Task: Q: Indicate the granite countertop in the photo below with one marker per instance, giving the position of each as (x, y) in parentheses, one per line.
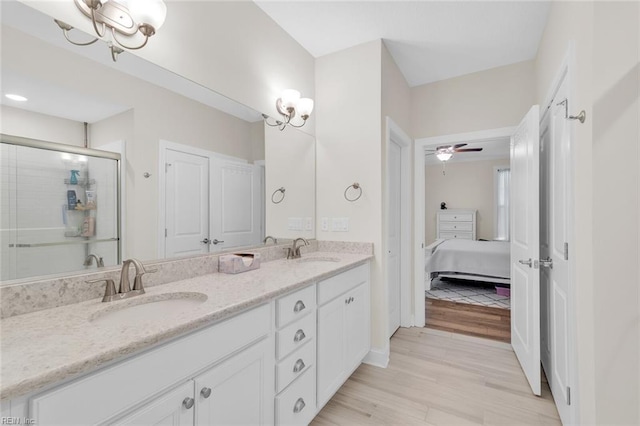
(42, 348)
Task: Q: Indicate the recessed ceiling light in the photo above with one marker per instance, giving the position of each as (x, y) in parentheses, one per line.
(16, 97)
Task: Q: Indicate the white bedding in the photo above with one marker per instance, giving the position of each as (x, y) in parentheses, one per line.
(490, 258)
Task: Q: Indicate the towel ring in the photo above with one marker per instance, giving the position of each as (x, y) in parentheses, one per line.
(273, 196)
(354, 185)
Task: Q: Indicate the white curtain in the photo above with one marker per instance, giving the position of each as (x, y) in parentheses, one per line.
(502, 207)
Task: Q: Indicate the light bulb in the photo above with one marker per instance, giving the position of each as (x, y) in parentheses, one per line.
(290, 98)
(304, 107)
(151, 12)
(444, 156)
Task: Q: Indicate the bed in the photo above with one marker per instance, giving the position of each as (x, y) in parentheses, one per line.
(487, 261)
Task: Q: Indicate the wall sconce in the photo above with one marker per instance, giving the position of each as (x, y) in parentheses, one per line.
(120, 17)
(289, 104)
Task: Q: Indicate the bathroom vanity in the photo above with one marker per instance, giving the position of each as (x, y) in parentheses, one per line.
(269, 346)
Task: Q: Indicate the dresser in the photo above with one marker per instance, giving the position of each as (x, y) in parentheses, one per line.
(456, 223)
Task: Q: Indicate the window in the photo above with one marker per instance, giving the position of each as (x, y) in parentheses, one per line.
(502, 178)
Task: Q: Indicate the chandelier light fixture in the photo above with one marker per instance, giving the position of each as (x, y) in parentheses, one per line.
(290, 104)
(120, 18)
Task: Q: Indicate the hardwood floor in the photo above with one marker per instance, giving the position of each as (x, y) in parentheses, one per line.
(472, 320)
(438, 378)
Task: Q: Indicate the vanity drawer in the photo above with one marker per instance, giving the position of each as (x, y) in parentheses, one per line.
(294, 365)
(295, 335)
(456, 226)
(297, 404)
(456, 235)
(296, 305)
(456, 217)
(341, 283)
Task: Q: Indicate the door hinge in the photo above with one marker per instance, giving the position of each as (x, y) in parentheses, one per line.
(165, 232)
(568, 395)
(566, 251)
(166, 167)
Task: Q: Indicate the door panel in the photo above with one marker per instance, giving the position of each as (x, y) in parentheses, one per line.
(187, 204)
(356, 322)
(167, 410)
(236, 206)
(331, 363)
(393, 229)
(525, 247)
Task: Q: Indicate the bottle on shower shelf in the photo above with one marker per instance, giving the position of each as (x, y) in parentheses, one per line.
(73, 180)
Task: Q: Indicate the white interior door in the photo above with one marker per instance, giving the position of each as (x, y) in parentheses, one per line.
(394, 235)
(525, 247)
(236, 204)
(555, 237)
(186, 204)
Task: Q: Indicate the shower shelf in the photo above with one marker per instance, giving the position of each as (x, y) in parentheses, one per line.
(62, 243)
(81, 182)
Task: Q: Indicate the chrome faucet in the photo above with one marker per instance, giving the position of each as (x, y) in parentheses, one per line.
(269, 237)
(125, 291)
(293, 252)
(89, 261)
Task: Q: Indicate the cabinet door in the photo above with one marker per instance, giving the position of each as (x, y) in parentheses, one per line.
(331, 348)
(357, 325)
(238, 391)
(168, 410)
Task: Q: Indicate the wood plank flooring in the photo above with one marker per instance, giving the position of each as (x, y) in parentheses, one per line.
(438, 378)
(472, 320)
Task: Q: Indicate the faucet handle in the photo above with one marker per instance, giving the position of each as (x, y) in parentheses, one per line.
(110, 289)
(137, 282)
(289, 252)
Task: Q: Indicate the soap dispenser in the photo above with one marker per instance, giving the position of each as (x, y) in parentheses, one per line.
(74, 177)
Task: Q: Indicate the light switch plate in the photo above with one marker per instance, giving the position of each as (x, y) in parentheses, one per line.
(340, 224)
(308, 224)
(324, 224)
(295, 224)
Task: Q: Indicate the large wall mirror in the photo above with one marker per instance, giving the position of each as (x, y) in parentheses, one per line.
(200, 172)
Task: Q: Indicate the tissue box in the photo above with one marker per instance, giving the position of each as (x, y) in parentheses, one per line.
(238, 262)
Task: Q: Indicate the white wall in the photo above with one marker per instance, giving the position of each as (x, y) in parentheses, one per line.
(27, 124)
(348, 150)
(294, 171)
(489, 99)
(466, 185)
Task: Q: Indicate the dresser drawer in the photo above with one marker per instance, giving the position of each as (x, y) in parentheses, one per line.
(456, 235)
(297, 404)
(295, 305)
(295, 335)
(456, 217)
(456, 226)
(294, 365)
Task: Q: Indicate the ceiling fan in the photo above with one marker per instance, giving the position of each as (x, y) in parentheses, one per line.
(445, 152)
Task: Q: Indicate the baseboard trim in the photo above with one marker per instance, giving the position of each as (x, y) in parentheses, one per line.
(377, 357)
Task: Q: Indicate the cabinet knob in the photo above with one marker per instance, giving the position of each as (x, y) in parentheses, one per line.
(205, 392)
(299, 405)
(299, 306)
(351, 299)
(299, 336)
(188, 403)
(299, 366)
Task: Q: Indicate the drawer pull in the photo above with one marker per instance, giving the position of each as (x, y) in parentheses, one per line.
(299, 366)
(188, 403)
(299, 405)
(205, 392)
(299, 306)
(299, 336)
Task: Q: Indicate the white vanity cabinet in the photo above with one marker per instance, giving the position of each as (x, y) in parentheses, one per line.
(343, 329)
(143, 387)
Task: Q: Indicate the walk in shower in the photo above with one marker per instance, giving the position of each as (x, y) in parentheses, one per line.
(59, 204)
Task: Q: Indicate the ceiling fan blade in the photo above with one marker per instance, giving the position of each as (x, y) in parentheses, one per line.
(443, 147)
(430, 153)
(468, 150)
(459, 145)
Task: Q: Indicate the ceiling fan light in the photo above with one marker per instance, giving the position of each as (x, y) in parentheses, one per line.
(444, 156)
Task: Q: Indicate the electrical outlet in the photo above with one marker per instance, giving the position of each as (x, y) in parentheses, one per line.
(324, 224)
(295, 224)
(308, 224)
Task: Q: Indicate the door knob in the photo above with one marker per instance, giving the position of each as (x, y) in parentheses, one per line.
(528, 262)
(546, 263)
(206, 241)
(216, 241)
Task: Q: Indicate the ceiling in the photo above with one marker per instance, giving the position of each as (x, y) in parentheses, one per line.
(429, 40)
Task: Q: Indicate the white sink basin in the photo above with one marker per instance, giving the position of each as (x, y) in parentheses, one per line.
(147, 308)
(318, 259)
